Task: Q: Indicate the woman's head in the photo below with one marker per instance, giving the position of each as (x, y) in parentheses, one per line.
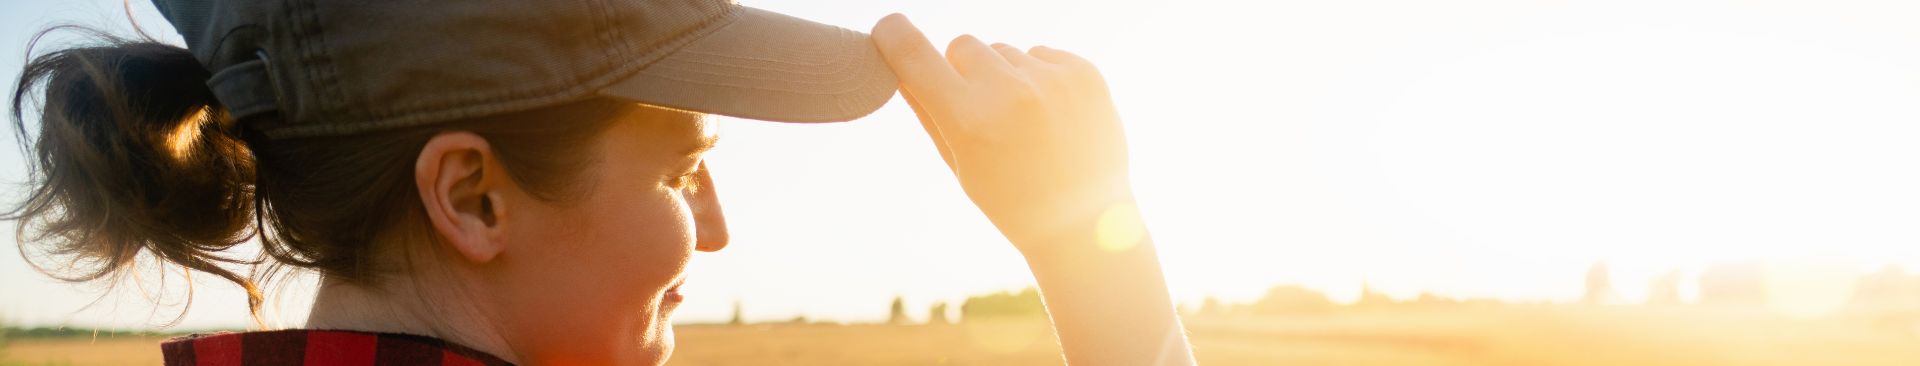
(492, 154)
(566, 225)
(568, 280)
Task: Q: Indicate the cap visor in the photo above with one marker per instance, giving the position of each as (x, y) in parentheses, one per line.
(768, 66)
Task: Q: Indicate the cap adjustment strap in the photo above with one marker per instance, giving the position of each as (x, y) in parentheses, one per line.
(245, 88)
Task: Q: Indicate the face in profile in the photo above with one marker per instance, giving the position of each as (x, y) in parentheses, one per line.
(599, 272)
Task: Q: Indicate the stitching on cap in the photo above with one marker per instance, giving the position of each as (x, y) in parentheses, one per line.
(603, 34)
(668, 46)
(465, 105)
(618, 46)
(308, 53)
(840, 70)
(767, 60)
(322, 68)
(330, 70)
(303, 52)
(841, 67)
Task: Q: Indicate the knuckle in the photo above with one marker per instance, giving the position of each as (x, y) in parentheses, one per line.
(960, 42)
(1080, 73)
(1055, 79)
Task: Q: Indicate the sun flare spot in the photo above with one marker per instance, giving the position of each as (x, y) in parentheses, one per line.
(1119, 228)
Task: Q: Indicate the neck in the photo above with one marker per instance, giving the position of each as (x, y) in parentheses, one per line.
(408, 306)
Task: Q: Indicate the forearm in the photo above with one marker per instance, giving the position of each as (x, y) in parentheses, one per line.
(1108, 301)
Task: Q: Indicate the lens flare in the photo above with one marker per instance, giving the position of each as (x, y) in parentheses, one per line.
(1119, 228)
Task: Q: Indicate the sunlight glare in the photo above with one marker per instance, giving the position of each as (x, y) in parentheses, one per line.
(1805, 288)
(1119, 228)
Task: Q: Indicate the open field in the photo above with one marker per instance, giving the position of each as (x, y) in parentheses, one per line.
(1508, 336)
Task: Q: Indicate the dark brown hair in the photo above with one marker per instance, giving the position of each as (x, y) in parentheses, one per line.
(134, 155)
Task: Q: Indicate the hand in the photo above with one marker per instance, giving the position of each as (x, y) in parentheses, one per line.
(1032, 136)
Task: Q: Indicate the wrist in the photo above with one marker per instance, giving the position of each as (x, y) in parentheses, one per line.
(1083, 227)
(1062, 217)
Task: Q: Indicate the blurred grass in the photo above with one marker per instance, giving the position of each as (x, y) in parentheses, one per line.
(82, 351)
(1518, 335)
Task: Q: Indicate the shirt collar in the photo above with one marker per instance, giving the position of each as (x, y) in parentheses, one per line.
(314, 347)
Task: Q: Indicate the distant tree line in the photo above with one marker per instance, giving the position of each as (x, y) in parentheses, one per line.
(1300, 300)
(15, 333)
(1890, 291)
(1024, 304)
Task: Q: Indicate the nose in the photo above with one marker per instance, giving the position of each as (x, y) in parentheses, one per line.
(710, 225)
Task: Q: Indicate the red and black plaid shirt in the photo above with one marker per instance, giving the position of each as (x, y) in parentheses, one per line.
(319, 347)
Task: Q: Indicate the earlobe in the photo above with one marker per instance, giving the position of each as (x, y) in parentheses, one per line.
(459, 183)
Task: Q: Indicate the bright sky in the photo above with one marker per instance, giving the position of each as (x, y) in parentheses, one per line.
(1476, 148)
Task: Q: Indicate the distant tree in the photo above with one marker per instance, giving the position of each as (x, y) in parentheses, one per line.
(1889, 288)
(1211, 306)
(1023, 304)
(1290, 299)
(739, 316)
(1371, 298)
(1599, 284)
(898, 314)
(937, 314)
(1664, 290)
(1432, 300)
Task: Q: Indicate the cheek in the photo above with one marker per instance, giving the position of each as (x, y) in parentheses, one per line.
(593, 272)
(640, 238)
(611, 252)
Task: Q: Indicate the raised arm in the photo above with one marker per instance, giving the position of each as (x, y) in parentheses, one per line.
(1036, 143)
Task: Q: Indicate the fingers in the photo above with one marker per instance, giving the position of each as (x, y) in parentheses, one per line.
(919, 66)
(1057, 56)
(933, 130)
(1081, 69)
(1014, 56)
(975, 60)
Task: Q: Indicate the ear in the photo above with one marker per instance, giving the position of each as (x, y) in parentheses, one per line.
(460, 182)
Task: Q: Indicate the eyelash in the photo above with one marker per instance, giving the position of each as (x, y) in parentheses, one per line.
(686, 182)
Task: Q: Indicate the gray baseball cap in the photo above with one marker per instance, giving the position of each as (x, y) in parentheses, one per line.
(336, 67)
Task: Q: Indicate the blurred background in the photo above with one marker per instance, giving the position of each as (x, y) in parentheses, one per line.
(1345, 183)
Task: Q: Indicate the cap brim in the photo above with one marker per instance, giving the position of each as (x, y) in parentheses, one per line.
(767, 66)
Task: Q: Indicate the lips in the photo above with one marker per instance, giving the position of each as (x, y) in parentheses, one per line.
(673, 292)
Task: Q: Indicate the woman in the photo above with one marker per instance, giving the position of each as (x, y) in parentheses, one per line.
(509, 182)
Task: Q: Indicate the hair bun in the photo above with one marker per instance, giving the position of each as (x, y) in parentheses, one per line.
(132, 153)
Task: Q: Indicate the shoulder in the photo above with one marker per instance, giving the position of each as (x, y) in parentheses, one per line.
(319, 347)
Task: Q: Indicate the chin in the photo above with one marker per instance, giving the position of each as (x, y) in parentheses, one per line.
(666, 349)
(661, 346)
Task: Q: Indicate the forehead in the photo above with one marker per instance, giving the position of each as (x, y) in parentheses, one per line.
(666, 132)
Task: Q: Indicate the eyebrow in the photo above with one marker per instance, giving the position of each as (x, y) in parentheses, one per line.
(706, 143)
